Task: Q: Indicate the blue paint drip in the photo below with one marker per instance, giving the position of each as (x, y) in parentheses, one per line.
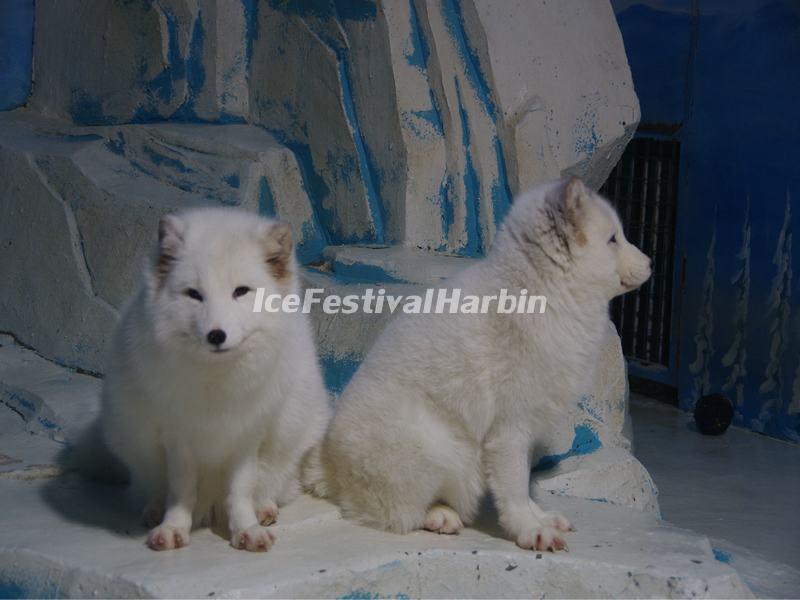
(448, 209)
(163, 83)
(361, 153)
(320, 9)
(10, 590)
(47, 423)
(318, 190)
(356, 10)
(454, 19)
(474, 243)
(314, 185)
(418, 56)
(87, 137)
(361, 273)
(585, 405)
(721, 555)
(338, 371)
(584, 442)
(586, 138)
(266, 201)
(226, 118)
(117, 146)
(23, 402)
(162, 160)
(30, 411)
(362, 594)
(250, 9)
(310, 248)
(501, 191)
(451, 11)
(431, 116)
(232, 180)
(195, 72)
(16, 50)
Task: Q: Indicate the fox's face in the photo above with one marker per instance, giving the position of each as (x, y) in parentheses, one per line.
(571, 232)
(210, 263)
(603, 254)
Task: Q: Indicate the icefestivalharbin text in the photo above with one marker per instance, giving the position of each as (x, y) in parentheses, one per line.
(372, 301)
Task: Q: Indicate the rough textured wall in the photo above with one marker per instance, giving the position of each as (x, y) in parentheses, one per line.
(737, 282)
(100, 62)
(405, 123)
(413, 122)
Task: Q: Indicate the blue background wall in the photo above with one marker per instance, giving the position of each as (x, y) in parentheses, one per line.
(16, 49)
(726, 75)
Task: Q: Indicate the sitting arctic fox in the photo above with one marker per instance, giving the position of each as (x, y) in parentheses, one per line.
(210, 405)
(446, 405)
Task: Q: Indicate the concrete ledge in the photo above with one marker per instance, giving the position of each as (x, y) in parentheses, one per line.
(63, 537)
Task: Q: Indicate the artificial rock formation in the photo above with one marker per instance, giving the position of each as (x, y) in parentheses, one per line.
(407, 123)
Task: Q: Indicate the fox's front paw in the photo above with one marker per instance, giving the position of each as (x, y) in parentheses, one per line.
(253, 539)
(168, 537)
(541, 538)
(443, 519)
(556, 520)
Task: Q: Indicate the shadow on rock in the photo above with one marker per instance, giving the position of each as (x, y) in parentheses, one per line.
(92, 489)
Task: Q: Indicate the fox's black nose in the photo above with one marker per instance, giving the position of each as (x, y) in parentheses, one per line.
(216, 337)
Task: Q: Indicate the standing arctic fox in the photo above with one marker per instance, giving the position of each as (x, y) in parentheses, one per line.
(445, 405)
(212, 406)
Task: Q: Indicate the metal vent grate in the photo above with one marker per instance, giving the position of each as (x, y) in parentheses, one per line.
(644, 188)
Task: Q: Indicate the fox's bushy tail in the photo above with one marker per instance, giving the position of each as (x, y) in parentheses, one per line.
(89, 455)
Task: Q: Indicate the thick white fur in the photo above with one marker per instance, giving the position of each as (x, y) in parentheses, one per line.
(214, 435)
(447, 405)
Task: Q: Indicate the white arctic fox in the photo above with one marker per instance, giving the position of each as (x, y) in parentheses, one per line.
(445, 405)
(211, 405)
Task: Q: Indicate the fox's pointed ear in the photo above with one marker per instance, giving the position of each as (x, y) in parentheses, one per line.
(574, 198)
(170, 240)
(277, 241)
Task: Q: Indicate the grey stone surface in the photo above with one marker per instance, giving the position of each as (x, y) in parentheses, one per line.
(406, 123)
(414, 122)
(80, 208)
(100, 62)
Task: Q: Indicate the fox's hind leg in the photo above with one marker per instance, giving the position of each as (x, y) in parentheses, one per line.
(443, 519)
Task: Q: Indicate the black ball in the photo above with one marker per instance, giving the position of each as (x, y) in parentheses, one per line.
(713, 414)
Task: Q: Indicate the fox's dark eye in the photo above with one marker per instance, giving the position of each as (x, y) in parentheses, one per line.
(240, 291)
(194, 294)
(613, 239)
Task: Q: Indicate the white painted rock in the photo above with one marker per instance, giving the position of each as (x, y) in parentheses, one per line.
(413, 122)
(64, 537)
(81, 208)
